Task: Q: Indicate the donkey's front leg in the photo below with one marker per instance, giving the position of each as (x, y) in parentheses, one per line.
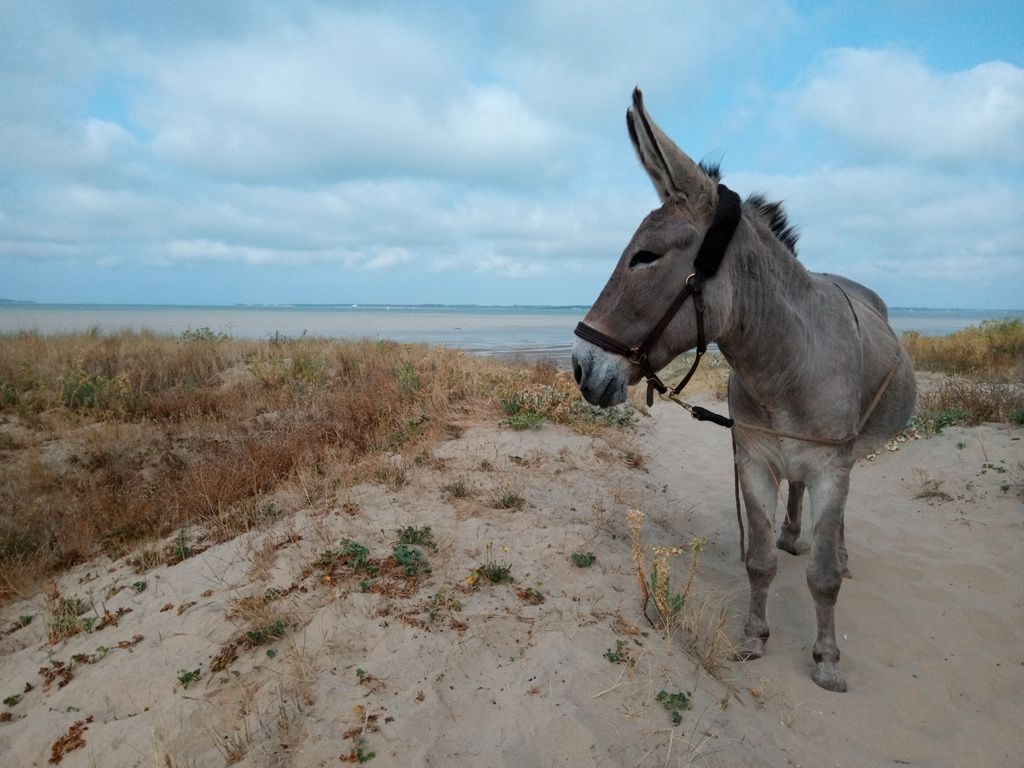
(760, 495)
(825, 572)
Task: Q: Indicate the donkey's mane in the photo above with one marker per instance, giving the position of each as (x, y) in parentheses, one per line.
(775, 215)
(772, 212)
(712, 169)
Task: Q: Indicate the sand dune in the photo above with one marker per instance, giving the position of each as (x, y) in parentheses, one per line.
(441, 671)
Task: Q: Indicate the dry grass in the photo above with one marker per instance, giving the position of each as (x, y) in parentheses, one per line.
(699, 619)
(993, 349)
(961, 400)
(712, 376)
(986, 375)
(110, 441)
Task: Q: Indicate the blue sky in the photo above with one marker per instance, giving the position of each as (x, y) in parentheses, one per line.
(402, 152)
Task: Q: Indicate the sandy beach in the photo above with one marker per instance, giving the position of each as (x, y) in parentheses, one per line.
(558, 667)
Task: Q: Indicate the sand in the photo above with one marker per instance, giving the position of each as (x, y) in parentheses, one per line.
(437, 672)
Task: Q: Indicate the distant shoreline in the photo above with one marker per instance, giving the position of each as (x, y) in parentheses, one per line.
(428, 305)
(535, 332)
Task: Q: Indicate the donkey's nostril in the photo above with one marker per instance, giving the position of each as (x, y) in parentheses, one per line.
(577, 371)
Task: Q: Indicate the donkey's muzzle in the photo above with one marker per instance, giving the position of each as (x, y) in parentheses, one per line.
(600, 376)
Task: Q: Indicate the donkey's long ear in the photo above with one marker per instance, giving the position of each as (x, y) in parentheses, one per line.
(674, 174)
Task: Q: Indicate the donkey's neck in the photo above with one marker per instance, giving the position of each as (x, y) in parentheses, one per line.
(770, 337)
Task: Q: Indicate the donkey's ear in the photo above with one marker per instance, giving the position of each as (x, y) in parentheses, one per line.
(674, 174)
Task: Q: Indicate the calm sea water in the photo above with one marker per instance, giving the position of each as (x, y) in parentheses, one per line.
(535, 332)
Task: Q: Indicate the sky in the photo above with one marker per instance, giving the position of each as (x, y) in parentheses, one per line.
(476, 153)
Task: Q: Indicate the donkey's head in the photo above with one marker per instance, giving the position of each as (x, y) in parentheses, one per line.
(653, 270)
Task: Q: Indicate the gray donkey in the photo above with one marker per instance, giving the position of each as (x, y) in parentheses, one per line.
(818, 377)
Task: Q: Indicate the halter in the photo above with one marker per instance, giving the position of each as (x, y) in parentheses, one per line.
(709, 259)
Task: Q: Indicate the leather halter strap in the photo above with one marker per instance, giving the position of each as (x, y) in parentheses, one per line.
(709, 259)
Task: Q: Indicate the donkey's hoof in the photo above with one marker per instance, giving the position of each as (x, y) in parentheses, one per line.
(791, 545)
(752, 648)
(829, 677)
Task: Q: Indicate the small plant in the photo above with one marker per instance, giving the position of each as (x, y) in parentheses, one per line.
(20, 623)
(187, 677)
(509, 499)
(525, 420)
(67, 619)
(1018, 417)
(441, 603)
(675, 703)
(423, 537)
(412, 560)
(621, 653)
(13, 700)
(583, 559)
(656, 586)
(457, 490)
(203, 334)
(350, 553)
(139, 586)
(951, 417)
(491, 570)
(358, 753)
(268, 633)
(495, 572)
(180, 550)
(669, 605)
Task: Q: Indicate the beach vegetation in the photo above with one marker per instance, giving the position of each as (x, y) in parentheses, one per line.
(509, 498)
(412, 536)
(990, 348)
(621, 654)
(982, 371)
(194, 436)
(583, 559)
(674, 703)
(491, 570)
(267, 633)
(187, 677)
(965, 401)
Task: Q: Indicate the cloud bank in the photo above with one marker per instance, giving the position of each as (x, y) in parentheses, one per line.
(401, 152)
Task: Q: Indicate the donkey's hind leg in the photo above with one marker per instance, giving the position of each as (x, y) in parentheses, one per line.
(825, 573)
(760, 495)
(790, 532)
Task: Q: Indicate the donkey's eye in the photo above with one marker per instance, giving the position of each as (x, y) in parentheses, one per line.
(643, 257)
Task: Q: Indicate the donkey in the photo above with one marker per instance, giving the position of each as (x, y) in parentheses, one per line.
(818, 378)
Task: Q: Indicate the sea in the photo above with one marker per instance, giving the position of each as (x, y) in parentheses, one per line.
(533, 332)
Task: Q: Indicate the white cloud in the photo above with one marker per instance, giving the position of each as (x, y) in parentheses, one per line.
(389, 258)
(581, 58)
(345, 94)
(909, 233)
(888, 103)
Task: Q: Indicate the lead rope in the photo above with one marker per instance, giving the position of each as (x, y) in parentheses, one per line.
(736, 491)
(703, 414)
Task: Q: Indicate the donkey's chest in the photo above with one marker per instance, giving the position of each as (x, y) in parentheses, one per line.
(788, 458)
